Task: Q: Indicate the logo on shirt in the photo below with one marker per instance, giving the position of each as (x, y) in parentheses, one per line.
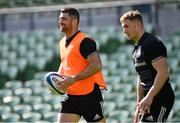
(138, 52)
(96, 117)
(140, 64)
(150, 118)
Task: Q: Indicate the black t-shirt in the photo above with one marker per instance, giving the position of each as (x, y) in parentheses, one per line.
(87, 46)
(148, 50)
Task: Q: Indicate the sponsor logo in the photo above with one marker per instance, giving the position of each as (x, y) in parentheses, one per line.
(150, 118)
(96, 117)
(140, 64)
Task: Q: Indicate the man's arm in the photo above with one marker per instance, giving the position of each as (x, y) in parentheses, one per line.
(60, 70)
(140, 96)
(93, 67)
(89, 52)
(161, 67)
(139, 90)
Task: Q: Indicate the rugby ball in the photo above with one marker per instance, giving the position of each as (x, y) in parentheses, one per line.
(52, 78)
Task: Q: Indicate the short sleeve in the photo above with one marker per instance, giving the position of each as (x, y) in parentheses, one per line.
(156, 51)
(87, 47)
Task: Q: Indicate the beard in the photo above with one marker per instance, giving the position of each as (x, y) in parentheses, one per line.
(61, 28)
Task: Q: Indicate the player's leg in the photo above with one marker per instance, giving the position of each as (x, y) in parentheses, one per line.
(158, 115)
(161, 106)
(160, 109)
(92, 111)
(68, 111)
(68, 117)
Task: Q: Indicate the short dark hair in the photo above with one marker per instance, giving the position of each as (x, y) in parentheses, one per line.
(72, 13)
(132, 15)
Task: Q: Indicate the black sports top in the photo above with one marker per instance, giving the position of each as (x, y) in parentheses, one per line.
(148, 50)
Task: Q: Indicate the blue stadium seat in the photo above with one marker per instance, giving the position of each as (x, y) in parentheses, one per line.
(4, 66)
(5, 92)
(12, 71)
(113, 79)
(22, 50)
(40, 75)
(115, 96)
(22, 108)
(131, 79)
(123, 88)
(11, 100)
(31, 117)
(131, 96)
(109, 106)
(4, 109)
(49, 42)
(13, 43)
(32, 100)
(127, 105)
(42, 91)
(10, 117)
(12, 55)
(42, 108)
(21, 64)
(22, 92)
(33, 84)
(41, 60)
(52, 100)
(13, 84)
(109, 120)
(50, 116)
(120, 115)
(173, 64)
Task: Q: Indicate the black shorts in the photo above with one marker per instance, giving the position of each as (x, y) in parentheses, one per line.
(160, 107)
(89, 106)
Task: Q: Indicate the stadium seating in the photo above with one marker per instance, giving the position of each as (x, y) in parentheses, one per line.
(10, 117)
(50, 116)
(120, 115)
(11, 100)
(33, 84)
(22, 92)
(22, 108)
(51, 99)
(13, 84)
(4, 109)
(5, 92)
(42, 108)
(109, 106)
(32, 100)
(31, 117)
(24, 86)
(42, 91)
(109, 120)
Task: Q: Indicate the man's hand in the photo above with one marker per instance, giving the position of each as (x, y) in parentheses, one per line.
(145, 104)
(136, 115)
(67, 81)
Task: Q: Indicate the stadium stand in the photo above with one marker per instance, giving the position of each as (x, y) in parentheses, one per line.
(31, 100)
(26, 56)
